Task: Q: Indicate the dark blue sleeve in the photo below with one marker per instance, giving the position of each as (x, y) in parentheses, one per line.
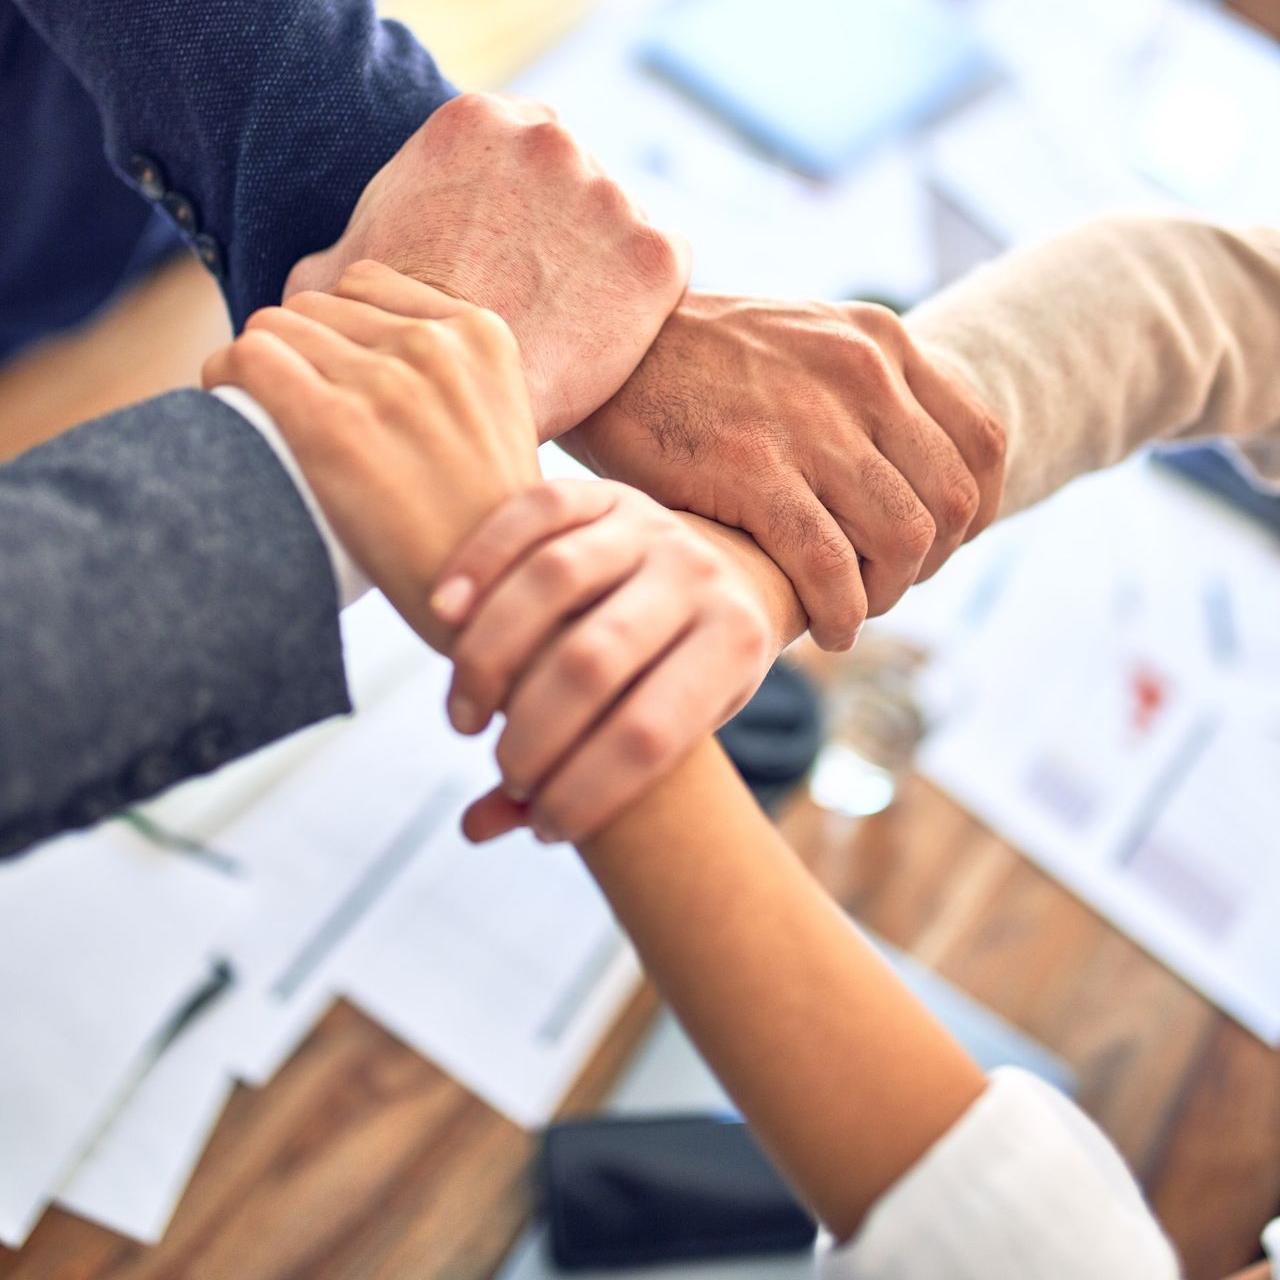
(254, 123)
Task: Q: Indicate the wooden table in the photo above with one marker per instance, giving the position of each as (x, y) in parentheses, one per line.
(361, 1160)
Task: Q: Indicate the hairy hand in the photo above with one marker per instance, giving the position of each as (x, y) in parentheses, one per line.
(493, 202)
(818, 428)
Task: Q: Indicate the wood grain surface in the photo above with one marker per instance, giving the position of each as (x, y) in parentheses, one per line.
(361, 1160)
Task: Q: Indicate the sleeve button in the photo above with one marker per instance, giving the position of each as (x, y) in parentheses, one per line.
(182, 211)
(209, 745)
(148, 175)
(210, 253)
(91, 807)
(150, 772)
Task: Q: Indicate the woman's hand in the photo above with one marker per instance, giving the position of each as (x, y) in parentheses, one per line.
(407, 412)
(614, 637)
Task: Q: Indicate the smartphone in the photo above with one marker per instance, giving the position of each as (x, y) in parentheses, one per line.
(631, 1191)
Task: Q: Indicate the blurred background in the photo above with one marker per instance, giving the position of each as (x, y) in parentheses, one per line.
(1049, 780)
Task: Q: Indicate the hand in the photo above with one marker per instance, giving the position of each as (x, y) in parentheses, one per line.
(406, 411)
(818, 428)
(492, 201)
(614, 636)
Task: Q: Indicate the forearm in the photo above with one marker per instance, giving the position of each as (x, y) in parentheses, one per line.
(1123, 332)
(841, 1072)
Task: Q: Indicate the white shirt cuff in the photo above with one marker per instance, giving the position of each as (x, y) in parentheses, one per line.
(349, 577)
(1024, 1184)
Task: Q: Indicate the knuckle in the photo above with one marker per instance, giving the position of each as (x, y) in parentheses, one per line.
(550, 142)
(556, 569)
(476, 670)
(882, 325)
(419, 343)
(263, 318)
(916, 533)
(990, 441)
(653, 252)
(746, 626)
(585, 663)
(489, 330)
(865, 356)
(608, 198)
(551, 501)
(250, 353)
(829, 555)
(465, 109)
(388, 386)
(959, 502)
(643, 741)
(358, 274)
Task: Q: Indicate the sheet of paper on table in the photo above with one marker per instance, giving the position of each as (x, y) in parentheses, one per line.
(1100, 721)
(106, 939)
(503, 964)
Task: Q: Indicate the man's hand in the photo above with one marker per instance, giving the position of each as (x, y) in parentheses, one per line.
(820, 429)
(406, 411)
(492, 201)
(614, 636)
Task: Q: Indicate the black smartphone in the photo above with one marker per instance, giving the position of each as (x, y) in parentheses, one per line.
(631, 1191)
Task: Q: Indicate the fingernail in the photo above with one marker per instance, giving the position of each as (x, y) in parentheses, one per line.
(546, 832)
(464, 714)
(452, 598)
(515, 792)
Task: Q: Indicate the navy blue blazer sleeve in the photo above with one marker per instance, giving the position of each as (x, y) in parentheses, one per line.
(254, 123)
(166, 605)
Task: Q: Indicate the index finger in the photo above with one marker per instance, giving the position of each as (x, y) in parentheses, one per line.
(510, 533)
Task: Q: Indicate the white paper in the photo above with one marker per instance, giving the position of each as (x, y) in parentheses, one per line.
(133, 1177)
(503, 964)
(1102, 725)
(105, 937)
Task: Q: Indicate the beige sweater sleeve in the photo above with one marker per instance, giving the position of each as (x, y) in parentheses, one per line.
(1123, 332)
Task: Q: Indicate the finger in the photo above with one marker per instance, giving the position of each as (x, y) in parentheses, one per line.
(542, 594)
(510, 533)
(390, 290)
(654, 727)
(881, 515)
(930, 463)
(976, 434)
(363, 323)
(491, 816)
(277, 376)
(807, 544)
(585, 671)
(335, 356)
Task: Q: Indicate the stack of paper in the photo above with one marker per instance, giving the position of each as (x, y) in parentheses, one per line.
(143, 974)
